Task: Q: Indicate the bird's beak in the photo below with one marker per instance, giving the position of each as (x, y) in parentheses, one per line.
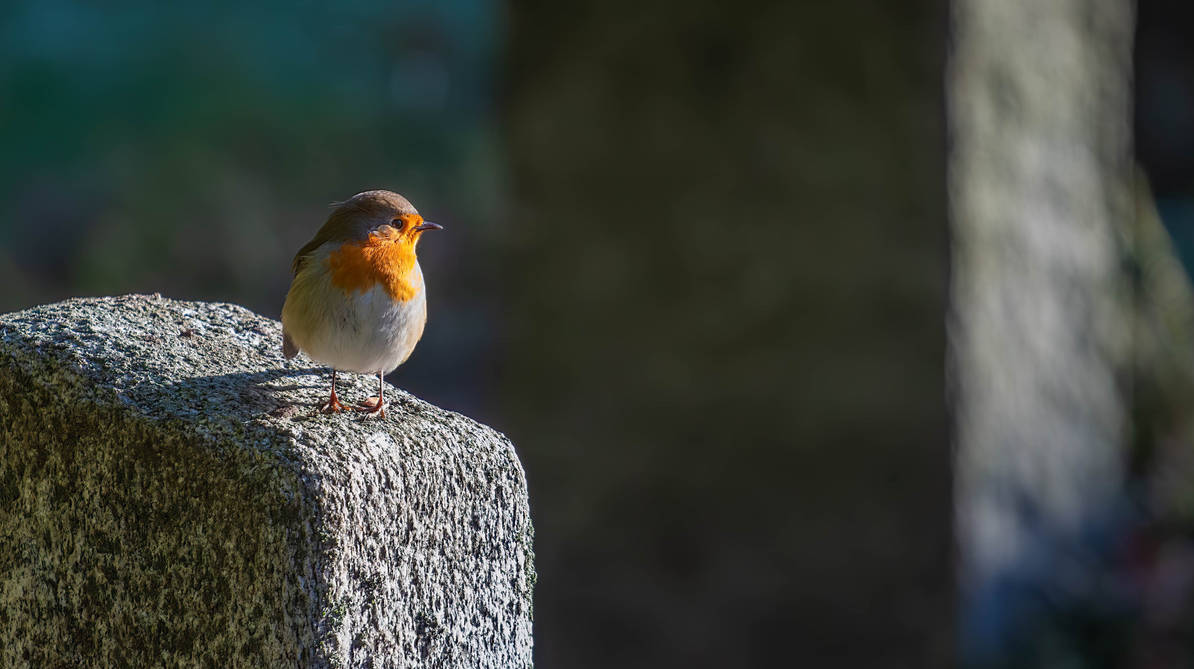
(428, 225)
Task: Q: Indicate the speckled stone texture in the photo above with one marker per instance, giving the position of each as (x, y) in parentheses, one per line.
(169, 497)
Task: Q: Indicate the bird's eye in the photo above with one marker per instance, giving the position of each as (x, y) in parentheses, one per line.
(398, 223)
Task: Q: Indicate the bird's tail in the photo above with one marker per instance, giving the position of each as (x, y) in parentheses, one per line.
(289, 350)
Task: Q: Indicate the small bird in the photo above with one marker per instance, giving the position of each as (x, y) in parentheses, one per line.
(357, 302)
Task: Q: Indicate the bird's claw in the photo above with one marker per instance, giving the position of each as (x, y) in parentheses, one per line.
(332, 406)
(372, 407)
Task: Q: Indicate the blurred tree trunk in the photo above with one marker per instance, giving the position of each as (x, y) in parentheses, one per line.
(1040, 331)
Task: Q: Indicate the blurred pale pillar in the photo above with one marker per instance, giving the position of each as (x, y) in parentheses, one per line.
(1039, 329)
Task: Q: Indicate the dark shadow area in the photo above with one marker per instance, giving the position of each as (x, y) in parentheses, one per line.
(248, 396)
(1164, 119)
(724, 353)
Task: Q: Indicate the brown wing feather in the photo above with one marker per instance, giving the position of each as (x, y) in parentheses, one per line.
(335, 228)
(306, 251)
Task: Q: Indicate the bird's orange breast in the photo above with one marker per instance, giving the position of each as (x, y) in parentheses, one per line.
(387, 259)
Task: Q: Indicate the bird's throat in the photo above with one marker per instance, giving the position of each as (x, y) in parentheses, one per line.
(385, 259)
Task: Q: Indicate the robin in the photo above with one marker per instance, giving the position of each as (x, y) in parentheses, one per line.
(357, 302)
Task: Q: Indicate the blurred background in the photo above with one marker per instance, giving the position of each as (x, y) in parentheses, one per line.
(694, 266)
(1164, 122)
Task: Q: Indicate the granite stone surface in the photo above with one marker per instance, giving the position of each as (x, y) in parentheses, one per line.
(169, 496)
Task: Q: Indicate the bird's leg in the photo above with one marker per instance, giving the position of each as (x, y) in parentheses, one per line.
(374, 407)
(333, 404)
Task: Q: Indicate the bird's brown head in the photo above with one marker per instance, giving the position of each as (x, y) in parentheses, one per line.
(379, 212)
(374, 218)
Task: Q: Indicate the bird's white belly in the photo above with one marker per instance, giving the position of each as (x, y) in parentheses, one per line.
(365, 332)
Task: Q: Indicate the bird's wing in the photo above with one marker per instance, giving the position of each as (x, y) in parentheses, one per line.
(309, 248)
(336, 228)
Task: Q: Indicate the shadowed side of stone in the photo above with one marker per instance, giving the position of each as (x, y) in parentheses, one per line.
(169, 495)
(120, 540)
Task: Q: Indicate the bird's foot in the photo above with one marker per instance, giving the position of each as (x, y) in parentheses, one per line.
(333, 405)
(372, 407)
